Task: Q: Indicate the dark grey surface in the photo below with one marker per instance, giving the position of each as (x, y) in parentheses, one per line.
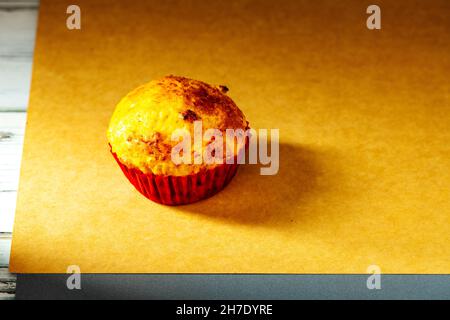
(229, 286)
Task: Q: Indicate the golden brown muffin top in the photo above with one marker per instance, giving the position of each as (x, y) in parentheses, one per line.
(141, 127)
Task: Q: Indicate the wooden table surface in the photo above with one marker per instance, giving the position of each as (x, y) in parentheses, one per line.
(17, 32)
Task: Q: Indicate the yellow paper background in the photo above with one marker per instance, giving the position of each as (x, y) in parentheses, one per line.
(364, 125)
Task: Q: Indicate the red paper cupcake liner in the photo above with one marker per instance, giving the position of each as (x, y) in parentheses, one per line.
(178, 190)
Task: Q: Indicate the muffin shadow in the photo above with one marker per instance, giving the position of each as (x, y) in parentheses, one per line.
(252, 198)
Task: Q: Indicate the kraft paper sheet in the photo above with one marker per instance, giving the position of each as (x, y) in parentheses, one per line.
(364, 127)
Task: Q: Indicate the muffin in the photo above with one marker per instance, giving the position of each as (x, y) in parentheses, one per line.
(141, 139)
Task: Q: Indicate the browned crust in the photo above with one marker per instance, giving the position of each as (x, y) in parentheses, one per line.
(201, 98)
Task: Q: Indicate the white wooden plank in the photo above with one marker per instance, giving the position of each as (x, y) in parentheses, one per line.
(19, 3)
(7, 211)
(12, 126)
(17, 34)
(15, 79)
(7, 296)
(6, 276)
(17, 31)
(7, 284)
(5, 249)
